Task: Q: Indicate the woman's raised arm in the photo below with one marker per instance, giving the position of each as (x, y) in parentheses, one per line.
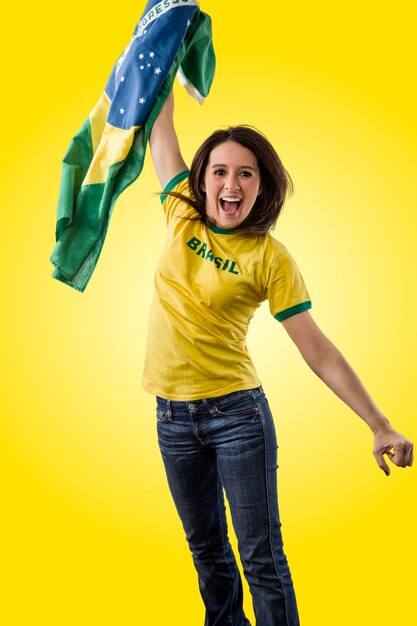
(331, 366)
(164, 146)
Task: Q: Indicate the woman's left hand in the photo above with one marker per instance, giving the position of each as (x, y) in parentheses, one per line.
(397, 447)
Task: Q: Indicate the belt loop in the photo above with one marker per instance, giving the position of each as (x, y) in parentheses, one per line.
(256, 392)
(169, 411)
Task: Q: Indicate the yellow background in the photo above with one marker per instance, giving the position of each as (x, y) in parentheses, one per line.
(90, 535)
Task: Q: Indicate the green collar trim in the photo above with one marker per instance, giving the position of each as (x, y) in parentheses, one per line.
(222, 231)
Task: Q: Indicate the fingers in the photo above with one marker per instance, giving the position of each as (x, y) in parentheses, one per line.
(403, 453)
(398, 448)
(409, 457)
(382, 463)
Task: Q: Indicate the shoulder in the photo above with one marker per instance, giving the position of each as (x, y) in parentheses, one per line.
(178, 184)
(279, 262)
(178, 201)
(275, 251)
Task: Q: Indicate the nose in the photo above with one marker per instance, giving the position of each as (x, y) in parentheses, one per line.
(232, 183)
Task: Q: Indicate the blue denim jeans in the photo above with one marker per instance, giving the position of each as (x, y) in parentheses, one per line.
(229, 442)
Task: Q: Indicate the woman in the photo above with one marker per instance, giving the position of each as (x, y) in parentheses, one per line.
(215, 428)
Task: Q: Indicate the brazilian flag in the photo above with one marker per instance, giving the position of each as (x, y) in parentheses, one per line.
(172, 37)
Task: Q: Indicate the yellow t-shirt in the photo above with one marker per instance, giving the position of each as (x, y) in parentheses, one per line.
(208, 284)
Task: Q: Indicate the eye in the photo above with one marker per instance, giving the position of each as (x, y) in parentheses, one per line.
(246, 174)
(219, 172)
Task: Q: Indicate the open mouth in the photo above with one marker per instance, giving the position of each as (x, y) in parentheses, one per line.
(230, 205)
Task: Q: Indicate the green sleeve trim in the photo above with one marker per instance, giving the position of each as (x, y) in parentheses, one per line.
(174, 182)
(298, 308)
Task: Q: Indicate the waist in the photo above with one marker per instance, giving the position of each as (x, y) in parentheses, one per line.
(167, 404)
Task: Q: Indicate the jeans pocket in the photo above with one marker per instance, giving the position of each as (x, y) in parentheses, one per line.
(236, 404)
(161, 415)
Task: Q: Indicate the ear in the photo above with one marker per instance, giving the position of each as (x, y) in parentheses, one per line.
(203, 187)
(260, 191)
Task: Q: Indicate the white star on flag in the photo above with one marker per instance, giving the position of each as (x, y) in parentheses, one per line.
(149, 65)
(189, 22)
(122, 79)
(157, 70)
(122, 111)
(141, 100)
(152, 54)
(141, 55)
(142, 67)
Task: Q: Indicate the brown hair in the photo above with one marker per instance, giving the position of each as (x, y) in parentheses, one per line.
(275, 180)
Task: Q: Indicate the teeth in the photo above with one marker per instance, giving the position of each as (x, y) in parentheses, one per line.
(231, 199)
